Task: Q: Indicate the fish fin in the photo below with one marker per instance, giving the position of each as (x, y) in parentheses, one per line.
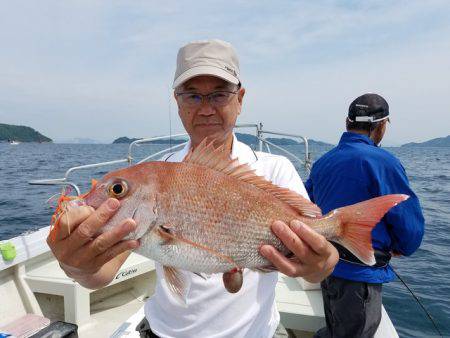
(171, 237)
(176, 282)
(165, 233)
(201, 275)
(359, 219)
(302, 205)
(232, 280)
(267, 269)
(217, 159)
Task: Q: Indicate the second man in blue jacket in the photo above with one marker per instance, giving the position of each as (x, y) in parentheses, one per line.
(354, 171)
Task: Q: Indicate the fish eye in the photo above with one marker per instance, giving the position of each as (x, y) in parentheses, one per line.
(118, 189)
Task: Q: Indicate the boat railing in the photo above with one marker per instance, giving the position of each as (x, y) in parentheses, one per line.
(260, 136)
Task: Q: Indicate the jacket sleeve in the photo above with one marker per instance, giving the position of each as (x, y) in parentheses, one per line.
(405, 221)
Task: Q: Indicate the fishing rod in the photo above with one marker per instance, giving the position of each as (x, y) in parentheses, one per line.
(420, 303)
(170, 117)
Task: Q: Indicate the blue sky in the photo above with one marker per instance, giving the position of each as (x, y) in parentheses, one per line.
(103, 69)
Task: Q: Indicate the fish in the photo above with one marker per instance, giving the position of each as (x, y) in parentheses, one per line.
(211, 214)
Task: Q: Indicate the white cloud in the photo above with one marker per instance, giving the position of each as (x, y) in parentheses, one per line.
(101, 70)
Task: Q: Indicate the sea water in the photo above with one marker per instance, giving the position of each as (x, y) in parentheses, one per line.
(24, 208)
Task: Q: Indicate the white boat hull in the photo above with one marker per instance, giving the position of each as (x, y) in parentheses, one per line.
(34, 283)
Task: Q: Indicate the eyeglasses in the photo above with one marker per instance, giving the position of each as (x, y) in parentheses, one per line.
(217, 99)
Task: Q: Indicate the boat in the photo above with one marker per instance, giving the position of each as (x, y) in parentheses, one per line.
(37, 295)
(13, 143)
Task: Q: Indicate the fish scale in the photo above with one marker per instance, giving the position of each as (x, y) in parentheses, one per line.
(214, 218)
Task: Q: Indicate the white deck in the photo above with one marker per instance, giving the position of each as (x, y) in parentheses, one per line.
(34, 283)
(299, 309)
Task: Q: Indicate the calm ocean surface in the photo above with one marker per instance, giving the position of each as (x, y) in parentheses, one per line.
(24, 208)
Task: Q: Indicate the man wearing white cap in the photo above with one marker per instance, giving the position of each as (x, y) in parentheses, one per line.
(209, 95)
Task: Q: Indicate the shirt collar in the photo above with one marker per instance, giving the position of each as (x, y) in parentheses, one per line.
(239, 150)
(242, 152)
(349, 137)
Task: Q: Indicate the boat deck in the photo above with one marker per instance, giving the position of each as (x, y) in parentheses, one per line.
(34, 283)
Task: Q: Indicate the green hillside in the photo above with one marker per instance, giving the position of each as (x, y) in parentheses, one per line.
(281, 141)
(436, 142)
(125, 139)
(9, 132)
(243, 137)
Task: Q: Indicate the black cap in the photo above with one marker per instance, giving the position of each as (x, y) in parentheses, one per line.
(368, 108)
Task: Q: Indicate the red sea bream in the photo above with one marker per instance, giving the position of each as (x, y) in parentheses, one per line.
(210, 214)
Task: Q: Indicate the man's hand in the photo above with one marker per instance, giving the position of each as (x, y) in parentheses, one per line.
(90, 259)
(315, 257)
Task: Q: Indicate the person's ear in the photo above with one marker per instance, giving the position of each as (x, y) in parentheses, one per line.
(240, 98)
(241, 94)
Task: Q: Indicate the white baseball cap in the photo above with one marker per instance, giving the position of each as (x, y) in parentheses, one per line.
(207, 57)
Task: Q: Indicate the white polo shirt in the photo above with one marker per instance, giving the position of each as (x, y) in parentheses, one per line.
(210, 310)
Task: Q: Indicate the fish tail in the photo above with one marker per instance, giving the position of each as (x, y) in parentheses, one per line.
(359, 219)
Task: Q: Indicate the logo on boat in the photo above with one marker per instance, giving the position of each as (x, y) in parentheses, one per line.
(126, 273)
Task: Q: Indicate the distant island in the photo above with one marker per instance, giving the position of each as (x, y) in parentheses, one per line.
(245, 138)
(279, 141)
(436, 142)
(9, 133)
(78, 140)
(128, 140)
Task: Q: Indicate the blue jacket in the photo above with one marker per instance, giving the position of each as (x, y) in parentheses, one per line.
(357, 170)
